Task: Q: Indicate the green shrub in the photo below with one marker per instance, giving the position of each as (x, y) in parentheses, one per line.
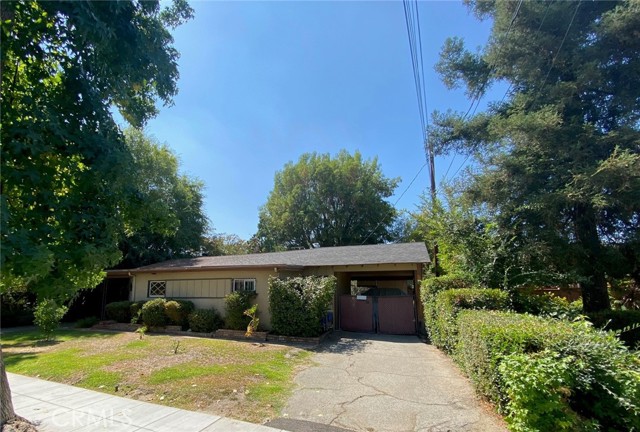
(485, 338)
(443, 327)
(235, 305)
(87, 322)
(537, 387)
(429, 289)
(135, 311)
(118, 311)
(205, 320)
(431, 286)
(546, 304)
(47, 316)
(153, 314)
(298, 305)
(625, 322)
(602, 384)
(178, 311)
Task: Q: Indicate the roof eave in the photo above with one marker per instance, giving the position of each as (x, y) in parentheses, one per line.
(286, 267)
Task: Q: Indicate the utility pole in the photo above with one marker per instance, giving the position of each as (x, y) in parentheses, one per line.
(432, 177)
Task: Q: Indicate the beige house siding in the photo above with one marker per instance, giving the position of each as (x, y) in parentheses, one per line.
(207, 289)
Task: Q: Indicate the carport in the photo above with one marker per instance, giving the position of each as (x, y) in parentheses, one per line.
(380, 301)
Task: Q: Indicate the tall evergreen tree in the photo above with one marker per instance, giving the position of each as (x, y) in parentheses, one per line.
(559, 155)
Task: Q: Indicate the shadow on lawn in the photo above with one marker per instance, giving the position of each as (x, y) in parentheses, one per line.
(15, 358)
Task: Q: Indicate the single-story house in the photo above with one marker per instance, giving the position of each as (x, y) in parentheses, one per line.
(377, 290)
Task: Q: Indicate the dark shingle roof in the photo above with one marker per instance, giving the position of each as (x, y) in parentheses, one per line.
(396, 253)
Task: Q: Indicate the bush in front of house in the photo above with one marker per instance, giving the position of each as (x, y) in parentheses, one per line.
(205, 320)
(235, 305)
(178, 311)
(297, 305)
(118, 311)
(47, 316)
(153, 313)
(443, 326)
(624, 322)
(135, 311)
(548, 374)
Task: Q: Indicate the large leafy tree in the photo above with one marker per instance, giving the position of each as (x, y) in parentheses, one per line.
(64, 67)
(559, 156)
(173, 223)
(327, 201)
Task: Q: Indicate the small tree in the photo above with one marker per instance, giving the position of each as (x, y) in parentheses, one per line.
(47, 317)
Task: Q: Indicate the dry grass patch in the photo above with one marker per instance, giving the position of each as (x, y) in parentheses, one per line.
(242, 380)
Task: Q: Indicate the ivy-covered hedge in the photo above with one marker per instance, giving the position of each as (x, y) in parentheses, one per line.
(548, 374)
(443, 326)
(625, 322)
(297, 305)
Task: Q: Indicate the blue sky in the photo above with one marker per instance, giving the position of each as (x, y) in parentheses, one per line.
(263, 82)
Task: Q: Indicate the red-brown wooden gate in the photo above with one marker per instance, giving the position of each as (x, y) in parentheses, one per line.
(356, 315)
(396, 315)
(384, 314)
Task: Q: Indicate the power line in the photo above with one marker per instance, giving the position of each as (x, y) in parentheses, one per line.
(396, 202)
(544, 17)
(561, 45)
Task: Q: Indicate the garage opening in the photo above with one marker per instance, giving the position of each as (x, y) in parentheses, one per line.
(379, 303)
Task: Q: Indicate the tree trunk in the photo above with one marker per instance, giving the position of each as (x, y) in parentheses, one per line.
(595, 296)
(6, 405)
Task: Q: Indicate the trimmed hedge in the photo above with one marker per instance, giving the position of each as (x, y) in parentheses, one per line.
(429, 289)
(153, 313)
(548, 374)
(443, 326)
(205, 320)
(177, 311)
(119, 311)
(298, 304)
(546, 304)
(235, 305)
(624, 322)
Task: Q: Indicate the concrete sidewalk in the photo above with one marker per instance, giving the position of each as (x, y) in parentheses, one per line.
(58, 407)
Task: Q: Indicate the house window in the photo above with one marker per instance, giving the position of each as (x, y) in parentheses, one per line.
(157, 289)
(244, 285)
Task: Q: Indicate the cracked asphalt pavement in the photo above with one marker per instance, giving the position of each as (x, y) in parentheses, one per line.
(387, 383)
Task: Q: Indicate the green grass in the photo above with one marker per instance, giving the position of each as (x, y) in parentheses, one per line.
(236, 379)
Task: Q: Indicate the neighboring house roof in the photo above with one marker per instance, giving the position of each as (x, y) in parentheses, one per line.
(396, 253)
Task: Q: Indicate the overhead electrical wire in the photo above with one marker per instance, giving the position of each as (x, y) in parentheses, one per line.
(478, 96)
(414, 34)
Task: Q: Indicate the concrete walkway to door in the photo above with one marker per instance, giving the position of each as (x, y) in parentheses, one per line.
(387, 383)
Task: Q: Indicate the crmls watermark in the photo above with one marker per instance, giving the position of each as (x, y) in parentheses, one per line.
(106, 418)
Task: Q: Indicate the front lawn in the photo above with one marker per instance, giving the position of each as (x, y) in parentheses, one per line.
(242, 380)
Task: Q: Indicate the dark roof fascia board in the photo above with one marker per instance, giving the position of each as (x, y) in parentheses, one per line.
(119, 273)
(214, 268)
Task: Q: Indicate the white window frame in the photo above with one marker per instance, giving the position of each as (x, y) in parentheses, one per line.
(156, 282)
(245, 282)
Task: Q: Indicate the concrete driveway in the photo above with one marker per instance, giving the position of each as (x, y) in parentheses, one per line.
(386, 383)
